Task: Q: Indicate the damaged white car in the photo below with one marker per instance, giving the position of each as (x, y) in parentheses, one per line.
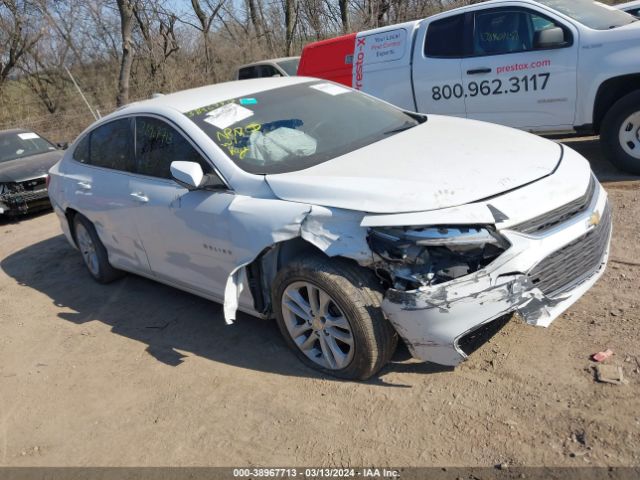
(348, 220)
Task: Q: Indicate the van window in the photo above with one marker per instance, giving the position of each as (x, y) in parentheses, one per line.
(509, 30)
(111, 146)
(445, 38)
(247, 72)
(158, 144)
(634, 11)
(268, 71)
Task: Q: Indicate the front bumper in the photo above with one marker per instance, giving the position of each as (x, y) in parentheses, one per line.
(539, 277)
(18, 203)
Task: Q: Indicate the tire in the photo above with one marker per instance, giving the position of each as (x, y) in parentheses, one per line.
(93, 252)
(620, 133)
(346, 293)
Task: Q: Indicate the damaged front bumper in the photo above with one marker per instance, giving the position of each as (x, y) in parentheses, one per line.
(539, 277)
(24, 201)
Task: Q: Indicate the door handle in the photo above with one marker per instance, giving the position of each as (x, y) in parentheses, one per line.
(478, 71)
(140, 196)
(84, 185)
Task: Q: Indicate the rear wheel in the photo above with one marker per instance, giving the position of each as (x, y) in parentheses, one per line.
(620, 133)
(93, 252)
(329, 314)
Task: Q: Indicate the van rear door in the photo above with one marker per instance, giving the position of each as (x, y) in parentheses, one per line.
(437, 65)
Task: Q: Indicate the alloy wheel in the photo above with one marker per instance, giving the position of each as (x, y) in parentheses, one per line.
(317, 325)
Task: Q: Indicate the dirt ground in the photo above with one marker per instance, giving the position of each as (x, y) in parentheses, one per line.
(136, 373)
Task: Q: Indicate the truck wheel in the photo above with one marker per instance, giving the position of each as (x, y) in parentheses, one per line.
(328, 311)
(93, 252)
(620, 133)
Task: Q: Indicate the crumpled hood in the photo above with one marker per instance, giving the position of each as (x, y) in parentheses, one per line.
(444, 162)
(28, 167)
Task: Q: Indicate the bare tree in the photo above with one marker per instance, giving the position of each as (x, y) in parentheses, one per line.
(126, 9)
(16, 37)
(159, 42)
(344, 15)
(205, 20)
(290, 19)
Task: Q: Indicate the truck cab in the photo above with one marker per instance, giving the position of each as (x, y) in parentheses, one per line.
(546, 66)
(275, 67)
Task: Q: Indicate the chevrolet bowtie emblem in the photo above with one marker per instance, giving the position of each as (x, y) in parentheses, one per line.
(594, 219)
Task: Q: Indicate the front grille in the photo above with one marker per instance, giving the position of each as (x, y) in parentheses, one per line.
(550, 219)
(33, 184)
(575, 263)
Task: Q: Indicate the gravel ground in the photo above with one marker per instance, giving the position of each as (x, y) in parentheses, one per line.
(136, 373)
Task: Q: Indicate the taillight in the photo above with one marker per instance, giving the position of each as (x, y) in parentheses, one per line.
(47, 181)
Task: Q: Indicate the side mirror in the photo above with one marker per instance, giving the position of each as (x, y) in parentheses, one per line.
(187, 174)
(549, 38)
(62, 145)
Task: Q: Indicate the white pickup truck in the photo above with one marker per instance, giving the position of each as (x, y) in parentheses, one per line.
(546, 66)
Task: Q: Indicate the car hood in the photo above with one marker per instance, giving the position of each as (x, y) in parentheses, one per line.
(444, 162)
(28, 167)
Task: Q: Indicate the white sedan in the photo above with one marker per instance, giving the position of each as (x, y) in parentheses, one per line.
(350, 221)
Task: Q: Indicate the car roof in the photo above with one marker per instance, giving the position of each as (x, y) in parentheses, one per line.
(187, 100)
(13, 131)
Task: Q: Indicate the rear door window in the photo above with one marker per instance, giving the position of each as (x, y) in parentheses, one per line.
(111, 146)
(158, 144)
(445, 38)
(268, 71)
(634, 11)
(247, 72)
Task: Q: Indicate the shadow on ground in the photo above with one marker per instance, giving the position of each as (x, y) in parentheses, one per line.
(167, 320)
(17, 219)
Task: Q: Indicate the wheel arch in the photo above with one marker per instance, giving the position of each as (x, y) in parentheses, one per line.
(70, 214)
(262, 271)
(609, 92)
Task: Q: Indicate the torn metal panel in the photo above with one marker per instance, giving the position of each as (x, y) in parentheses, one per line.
(333, 231)
(337, 232)
(255, 224)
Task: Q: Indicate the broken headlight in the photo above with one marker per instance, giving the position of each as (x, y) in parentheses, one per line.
(413, 257)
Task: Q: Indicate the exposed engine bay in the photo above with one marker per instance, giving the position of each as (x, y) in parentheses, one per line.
(413, 257)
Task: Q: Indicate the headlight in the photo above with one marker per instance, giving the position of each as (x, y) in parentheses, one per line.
(411, 257)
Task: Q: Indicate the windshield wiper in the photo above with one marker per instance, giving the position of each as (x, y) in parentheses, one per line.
(404, 127)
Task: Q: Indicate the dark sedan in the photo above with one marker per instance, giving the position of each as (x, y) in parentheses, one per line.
(25, 159)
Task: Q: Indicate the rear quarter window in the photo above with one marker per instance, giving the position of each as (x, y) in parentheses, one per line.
(111, 146)
(81, 152)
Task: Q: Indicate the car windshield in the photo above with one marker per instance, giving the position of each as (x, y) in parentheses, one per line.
(296, 127)
(290, 66)
(15, 145)
(592, 14)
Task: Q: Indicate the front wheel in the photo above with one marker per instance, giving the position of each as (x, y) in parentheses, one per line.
(328, 311)
(620, 133)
